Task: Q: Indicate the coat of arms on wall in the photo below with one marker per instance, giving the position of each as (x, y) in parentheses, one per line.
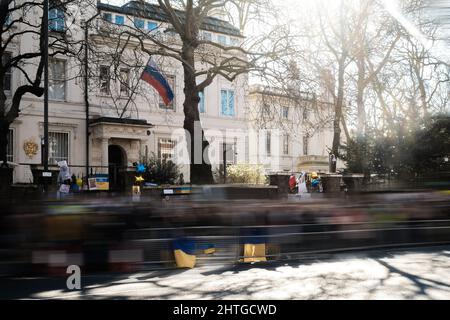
(31, 148)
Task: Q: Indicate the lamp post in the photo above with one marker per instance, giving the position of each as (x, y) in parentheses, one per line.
(45, 58)
(332, 163)
(224, 146)
(86, 89)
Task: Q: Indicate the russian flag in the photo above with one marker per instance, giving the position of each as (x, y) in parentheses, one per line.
(153, 77)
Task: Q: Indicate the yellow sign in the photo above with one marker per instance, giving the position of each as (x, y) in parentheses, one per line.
(99, 182)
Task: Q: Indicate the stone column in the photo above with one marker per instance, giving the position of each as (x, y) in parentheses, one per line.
(105, 160)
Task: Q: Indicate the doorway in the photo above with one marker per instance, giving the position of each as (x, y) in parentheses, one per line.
(117, 168)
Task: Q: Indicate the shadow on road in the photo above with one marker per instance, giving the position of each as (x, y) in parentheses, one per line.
(241, 282)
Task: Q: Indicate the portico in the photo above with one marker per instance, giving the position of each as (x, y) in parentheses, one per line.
(116, 144)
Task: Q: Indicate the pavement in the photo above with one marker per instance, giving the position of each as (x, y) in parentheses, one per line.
(414, 274)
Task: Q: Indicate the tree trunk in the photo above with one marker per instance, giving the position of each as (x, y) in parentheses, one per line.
(201, 171)
(338, 114)
(360, 98)
(4, 128)
(4, 131)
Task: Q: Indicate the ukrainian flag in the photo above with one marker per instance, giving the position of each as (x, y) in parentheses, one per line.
(185, 252)
(207, 248)
(255, 246)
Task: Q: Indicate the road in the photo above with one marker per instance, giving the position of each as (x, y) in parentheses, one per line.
(415, 274)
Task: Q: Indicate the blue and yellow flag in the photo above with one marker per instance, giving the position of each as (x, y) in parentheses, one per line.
(255, 246)
(185, 252)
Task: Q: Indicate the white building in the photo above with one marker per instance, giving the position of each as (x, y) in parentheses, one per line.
(149, 125)
(290, 134)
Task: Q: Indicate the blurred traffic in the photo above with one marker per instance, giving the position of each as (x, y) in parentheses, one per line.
(125, 235)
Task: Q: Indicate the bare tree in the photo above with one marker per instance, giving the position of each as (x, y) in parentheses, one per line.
(202, 60)
(18, 19)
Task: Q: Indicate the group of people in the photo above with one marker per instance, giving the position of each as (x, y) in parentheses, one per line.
(67, 183)
(305, 183)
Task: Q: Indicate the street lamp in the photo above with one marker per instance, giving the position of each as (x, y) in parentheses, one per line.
(45, 58)
(333, 161)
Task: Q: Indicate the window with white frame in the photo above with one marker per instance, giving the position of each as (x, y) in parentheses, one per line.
(230, 153)
(221, 39)
(56, 21)
(57, 79)
(166, 149)
(227, 103)
(234, 42)
(201, 104)
(104, 80)
(10, 146)
(268, 143)
(139, 23)
(207, 36)
(107, 17)
(286, 144)
(7, 78)
(266, 112)
(305, 114)
(285, 112)
(58, 147)
(305, 145)
(124, 81)
(152, 25)
(8, 20)
(171, 106)
(119, 20)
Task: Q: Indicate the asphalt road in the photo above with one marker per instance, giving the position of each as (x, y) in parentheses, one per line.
(414, 274)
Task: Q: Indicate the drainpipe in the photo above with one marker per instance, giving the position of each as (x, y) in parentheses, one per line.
(86, 86)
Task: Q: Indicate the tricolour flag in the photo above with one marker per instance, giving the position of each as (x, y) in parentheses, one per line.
(153, 77)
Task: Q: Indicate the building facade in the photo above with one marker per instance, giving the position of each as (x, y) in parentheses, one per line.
(127, 120)
(290, 133)
(103, 119)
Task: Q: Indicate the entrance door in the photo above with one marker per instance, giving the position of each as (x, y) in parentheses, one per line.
(117, 168)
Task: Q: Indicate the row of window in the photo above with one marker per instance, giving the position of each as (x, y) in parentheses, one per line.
(56, 21)
(57, 87)
(284, 112)
(286, 142)
(56, 78)
(227, 105)
(58, 146)
(138, 22)
(151, 26)
(221, 39)
(166, 150)
(166, 147)
(58, 143)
